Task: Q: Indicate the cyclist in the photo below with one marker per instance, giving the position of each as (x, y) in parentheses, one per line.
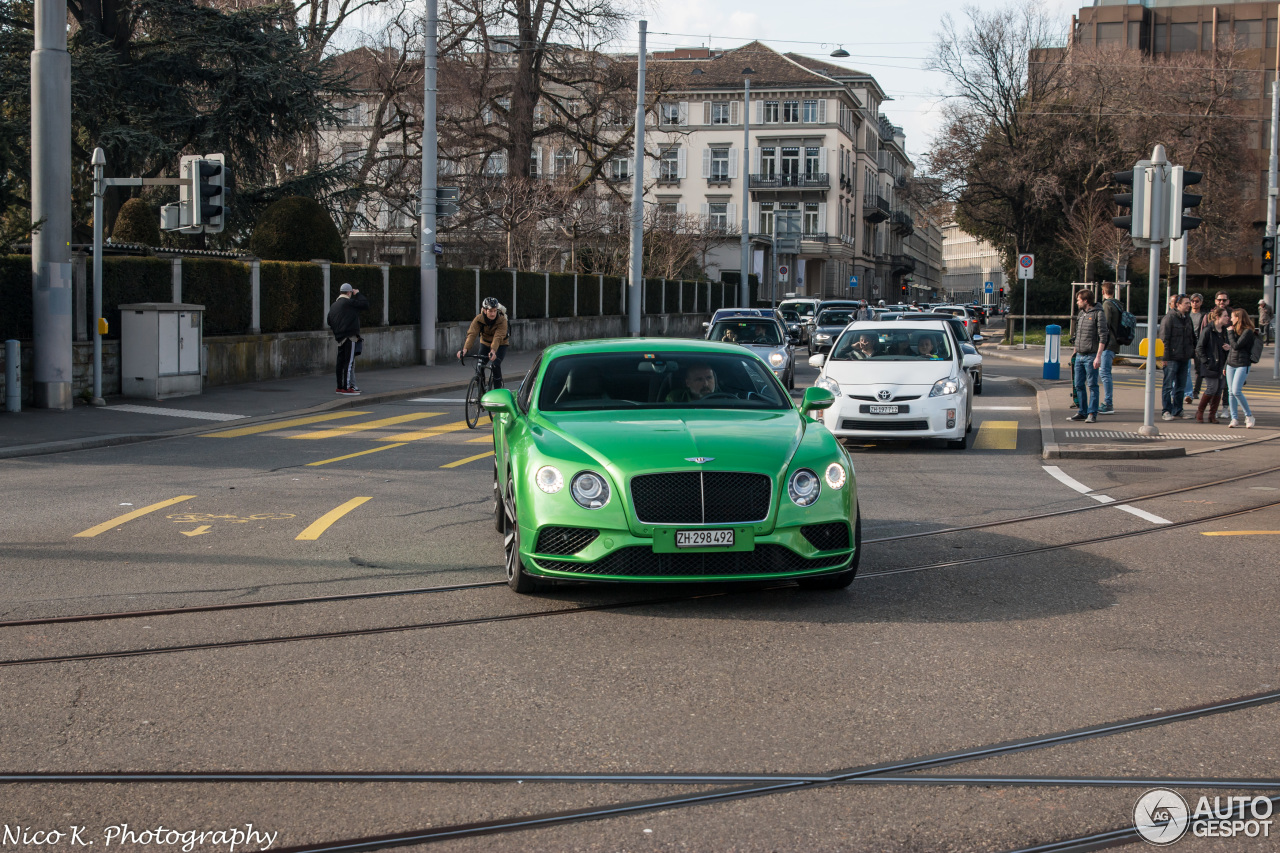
(490, 326)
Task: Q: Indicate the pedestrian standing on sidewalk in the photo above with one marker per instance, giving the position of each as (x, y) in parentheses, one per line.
(1265, 317)
(1091, 338)
(1179, 346)
(1197, 323)
(1240, 337)
(1223, 301)
(1211, 356)
(344, 321)
(1112, 311)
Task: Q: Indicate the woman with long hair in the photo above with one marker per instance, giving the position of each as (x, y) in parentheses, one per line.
(1240, 336)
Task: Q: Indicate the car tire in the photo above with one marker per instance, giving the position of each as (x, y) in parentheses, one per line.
(791, 379)
(977, 387)
(840, 580)
(959, 443)
(499, 511)
(517, 578)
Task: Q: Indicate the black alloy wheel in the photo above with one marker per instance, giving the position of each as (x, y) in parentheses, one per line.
(499, 511)
(517, 579)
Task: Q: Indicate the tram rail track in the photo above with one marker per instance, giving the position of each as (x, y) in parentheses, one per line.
(671, 599)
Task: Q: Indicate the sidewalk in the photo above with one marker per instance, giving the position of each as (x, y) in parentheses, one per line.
(1118, 436)
(34, 432)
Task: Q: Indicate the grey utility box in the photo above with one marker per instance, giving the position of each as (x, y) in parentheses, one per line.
(160, 349)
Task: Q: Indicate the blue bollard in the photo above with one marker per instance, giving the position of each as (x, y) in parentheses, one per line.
(1052, 345)
(12, 376)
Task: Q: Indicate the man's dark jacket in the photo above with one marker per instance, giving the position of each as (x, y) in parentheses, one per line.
(344, 316)
(1179, 336)
(1092, 334)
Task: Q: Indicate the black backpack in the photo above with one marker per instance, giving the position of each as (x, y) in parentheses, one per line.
(1128, 329)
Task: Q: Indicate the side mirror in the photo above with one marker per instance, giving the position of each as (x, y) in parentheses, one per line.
(817, 361)
(969, 361)
(816, 399)
(706, 325)
(500, 401)
(977, 338)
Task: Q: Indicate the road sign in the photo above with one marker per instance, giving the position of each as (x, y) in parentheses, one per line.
(783, 272)
(989, 287)
(853, 281)
(1026, 266)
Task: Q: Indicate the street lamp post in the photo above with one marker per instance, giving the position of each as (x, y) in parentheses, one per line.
(744, 282)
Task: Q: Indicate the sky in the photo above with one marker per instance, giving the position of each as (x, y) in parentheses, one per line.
(889, 39)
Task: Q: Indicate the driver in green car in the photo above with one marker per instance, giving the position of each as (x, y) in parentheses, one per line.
(699, 381)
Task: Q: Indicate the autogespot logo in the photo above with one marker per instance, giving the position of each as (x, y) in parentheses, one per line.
(1161, 816)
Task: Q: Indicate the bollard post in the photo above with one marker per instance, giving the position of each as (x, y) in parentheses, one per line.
(12, 376)
(1052, 346)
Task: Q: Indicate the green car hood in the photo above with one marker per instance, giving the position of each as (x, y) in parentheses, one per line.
(631, 443)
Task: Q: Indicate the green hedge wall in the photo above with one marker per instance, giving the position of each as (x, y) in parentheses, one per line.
(129, 280)
(689, 289)
(651, 303)
(292, 297)
(562, 294)
(15, 296)
(366, 278)
(406, 296)
(456, 295)
(612, 296)
(532, 301)
(588, 296)
(496, 283)
(224, 289)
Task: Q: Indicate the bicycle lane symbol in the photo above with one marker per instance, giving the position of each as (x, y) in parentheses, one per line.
(197, 517)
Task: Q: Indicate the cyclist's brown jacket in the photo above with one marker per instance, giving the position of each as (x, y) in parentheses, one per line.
(492, 333)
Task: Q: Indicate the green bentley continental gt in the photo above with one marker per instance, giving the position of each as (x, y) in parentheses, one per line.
(668, 460)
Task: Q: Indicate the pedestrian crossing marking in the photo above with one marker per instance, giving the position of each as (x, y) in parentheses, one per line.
(279, 425)
(175, 413)
(325, 521)
(468, 459)
(1177, 436)
(338, 432)
(997, 435)
(353, 455)
(481, 440)
(417, 435)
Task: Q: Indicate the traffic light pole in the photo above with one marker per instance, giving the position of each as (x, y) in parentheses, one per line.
(1269, 282)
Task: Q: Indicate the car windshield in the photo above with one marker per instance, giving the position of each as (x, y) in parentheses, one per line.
(743, 331)
(842, 317)
(791, 316)
(803, 308)
(892, 345)
(659, 380)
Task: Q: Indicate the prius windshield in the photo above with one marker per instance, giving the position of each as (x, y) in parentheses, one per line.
(892, 345)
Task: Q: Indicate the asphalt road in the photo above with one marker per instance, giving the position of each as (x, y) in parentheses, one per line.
(980, 649)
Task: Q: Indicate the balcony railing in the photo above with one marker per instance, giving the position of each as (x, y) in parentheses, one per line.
(803, 181)
(874, 208)
(902, 263)
(903, 223)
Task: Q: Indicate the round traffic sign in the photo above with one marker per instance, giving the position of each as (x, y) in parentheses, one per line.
(782, 269)
(1026, 260)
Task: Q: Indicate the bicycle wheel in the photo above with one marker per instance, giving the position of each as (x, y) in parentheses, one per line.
(474, 391)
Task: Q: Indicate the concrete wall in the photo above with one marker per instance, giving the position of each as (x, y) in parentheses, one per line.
(81, 365)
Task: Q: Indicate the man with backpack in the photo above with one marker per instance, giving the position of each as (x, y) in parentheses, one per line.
(1114, 315)
(1179, 346)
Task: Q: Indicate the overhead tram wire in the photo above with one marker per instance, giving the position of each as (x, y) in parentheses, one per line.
(355, 596)
(483, 620)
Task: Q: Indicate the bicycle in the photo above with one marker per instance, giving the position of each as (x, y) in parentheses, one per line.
(480, 384)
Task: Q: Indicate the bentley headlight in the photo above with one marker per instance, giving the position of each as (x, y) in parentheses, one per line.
(590, 490)
(804, 487)
(549, 479)
(835, 475)
(828, 383)
(777, 359)
(945, 387)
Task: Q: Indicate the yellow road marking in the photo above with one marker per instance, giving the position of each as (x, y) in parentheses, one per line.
(354, 455)
(997, 435)
(204, 528)
(1243, 533)
(276, 425)
(338, 432)
(427, 433)
(130, 516)
(323, 522)
(481, 440)
(468, 459)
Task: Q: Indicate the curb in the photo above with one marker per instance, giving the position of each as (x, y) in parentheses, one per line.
(70, 445)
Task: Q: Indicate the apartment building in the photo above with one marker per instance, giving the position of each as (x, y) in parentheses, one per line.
(970, 263)
(1167, 27)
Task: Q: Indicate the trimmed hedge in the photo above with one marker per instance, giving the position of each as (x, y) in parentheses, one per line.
(296, 229)
(456, 296)
(588, 295)
(224, 289)
(129, 280)
(292, 297)
(531, 302)
(497, 283)
(562, 294)
(612, 296)
(406, 296)
(689, 295)
(15, 296)
(652, 300)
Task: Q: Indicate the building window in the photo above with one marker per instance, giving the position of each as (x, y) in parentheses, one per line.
(811, 217)
(770, 112)
(1135, 34)
(669, 165)
(1111, 35)
(719, 164)
(619, 169)
(766, 217)
(810, 113)
(564, 162)
(811, 162)
(720, 112)
(1184, 37)
(496, 163)
(790, 112)
(769, 162)
(668, 214)
(535, 163)
(1249, 34)
(1162, 38)
(671, 113)
(718, 215)
(790, 161)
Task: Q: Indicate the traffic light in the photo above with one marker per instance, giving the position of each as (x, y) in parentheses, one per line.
(1148, 218)
(1178, 200)
(209, 193)
(1002, 292)
(1268, 255)
(1131, 200)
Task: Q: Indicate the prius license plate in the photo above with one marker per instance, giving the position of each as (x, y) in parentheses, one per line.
(884, 410)
(704, 538)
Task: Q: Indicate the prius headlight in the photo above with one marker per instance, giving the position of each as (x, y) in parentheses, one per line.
(549, 479)
(777, 359)
(945, 387)
(590, 490)
(835, 475)
(828, 383)
(804, 487)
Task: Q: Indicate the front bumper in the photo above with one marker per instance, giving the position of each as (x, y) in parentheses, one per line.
(926, 417)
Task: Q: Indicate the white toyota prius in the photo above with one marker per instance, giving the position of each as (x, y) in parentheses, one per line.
(898, 380)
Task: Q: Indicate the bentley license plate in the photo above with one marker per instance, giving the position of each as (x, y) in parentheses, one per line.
(704, 538)
(884, 410)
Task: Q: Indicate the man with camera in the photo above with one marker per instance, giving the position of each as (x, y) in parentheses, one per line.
(344, 320)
